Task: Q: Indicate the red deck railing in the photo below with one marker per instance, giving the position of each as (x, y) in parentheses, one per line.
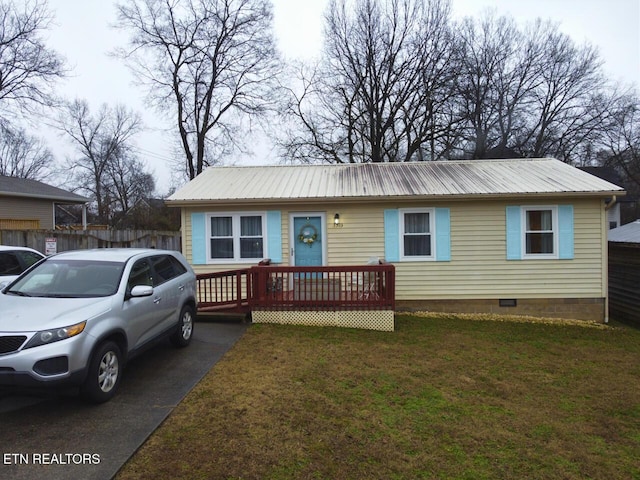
(266, 287)
(224, 291)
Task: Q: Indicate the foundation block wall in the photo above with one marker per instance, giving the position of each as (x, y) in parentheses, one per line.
(590, 309)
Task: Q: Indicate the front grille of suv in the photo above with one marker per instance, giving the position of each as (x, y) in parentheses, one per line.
(11, 343)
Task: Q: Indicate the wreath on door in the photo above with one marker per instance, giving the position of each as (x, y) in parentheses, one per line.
(308, 234)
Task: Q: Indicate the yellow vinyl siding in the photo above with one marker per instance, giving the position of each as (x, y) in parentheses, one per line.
(360, 237)
(478, 268)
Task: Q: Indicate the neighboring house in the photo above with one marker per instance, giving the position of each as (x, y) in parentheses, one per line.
(31, 205)
(624, 272)
(615, 216)
(524, 236)
(629, 233)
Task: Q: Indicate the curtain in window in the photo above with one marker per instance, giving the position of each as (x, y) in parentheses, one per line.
(221, 227)
(251, 226)
(417, 240)
(539, 237)
(251, 242)
(416, 223)
(539, 220)
(221, 237)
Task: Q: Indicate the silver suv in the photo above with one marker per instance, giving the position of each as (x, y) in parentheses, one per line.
(14, 261)
(77, 317)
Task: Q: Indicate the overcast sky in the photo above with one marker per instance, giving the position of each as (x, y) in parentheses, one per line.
(84, 36)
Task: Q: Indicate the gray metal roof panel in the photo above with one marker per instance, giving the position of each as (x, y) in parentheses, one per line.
(383, 180)
(629, 233)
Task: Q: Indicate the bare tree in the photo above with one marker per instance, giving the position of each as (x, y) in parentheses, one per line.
(22, 155)
(497, 71)
(128, 182)
(621, 140)
(565, 110)
(529, 92)
(381, 90)
(28, 69)
(207, 63)
(103, 144)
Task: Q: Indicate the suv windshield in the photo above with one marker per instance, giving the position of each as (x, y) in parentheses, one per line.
(70, 279)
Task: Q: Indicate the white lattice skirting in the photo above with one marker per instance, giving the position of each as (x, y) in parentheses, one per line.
(367, 319)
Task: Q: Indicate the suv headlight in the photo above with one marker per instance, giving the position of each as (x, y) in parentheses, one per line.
(46, 337)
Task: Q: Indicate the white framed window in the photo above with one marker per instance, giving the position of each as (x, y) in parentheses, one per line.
(236, 237)
(540, 232)
(417, 234)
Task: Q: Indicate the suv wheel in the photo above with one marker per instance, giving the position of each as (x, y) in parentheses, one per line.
(182, 336)
(104, 373)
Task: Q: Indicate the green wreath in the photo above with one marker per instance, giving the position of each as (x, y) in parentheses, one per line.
(308, 234)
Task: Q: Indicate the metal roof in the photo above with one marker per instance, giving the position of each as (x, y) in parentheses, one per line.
(375, 181)
(26, 188)
(629, 233)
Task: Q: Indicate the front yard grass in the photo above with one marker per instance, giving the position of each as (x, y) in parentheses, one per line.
(441, 397)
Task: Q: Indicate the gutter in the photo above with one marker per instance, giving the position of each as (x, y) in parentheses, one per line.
(193, 202)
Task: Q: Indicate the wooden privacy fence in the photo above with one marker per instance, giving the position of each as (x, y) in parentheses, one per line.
(624, 282)
(86, 239)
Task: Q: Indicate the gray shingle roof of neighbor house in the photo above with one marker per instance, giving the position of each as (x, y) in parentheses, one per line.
(629, 233)
(26, 188)
(374, 181)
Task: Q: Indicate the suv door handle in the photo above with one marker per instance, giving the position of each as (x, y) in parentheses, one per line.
(157, 300)
(181, 288)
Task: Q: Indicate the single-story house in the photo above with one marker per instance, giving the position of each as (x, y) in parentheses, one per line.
(27, 204)
(517, 236)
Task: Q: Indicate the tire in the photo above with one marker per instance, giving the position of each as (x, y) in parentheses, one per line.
(184, 331)
(105, 370)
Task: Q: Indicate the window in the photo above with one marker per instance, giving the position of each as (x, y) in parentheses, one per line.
(28, 258)
(417, 234)
(236, 237)
(140, 274)
(416, 227)
(9, 264)
(165, 268)
(251, 242)
(221, 237)
(540, 231)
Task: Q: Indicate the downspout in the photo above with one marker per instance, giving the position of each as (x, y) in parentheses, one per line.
(84, 216)
(607, 207)
(610, 205)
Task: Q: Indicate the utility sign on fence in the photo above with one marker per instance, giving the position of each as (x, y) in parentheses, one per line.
(50, 246)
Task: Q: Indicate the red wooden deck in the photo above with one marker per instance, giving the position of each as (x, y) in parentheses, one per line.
(266, 287)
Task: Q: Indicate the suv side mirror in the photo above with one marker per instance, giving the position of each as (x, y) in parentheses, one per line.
(141, 291)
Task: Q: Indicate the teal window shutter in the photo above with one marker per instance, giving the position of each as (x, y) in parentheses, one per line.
(565, 232)
(514, 233)
(443, 235)
(274, 235)
(198, 239)
(392, 235)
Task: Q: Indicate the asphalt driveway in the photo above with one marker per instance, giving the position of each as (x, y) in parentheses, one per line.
(60, 437)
